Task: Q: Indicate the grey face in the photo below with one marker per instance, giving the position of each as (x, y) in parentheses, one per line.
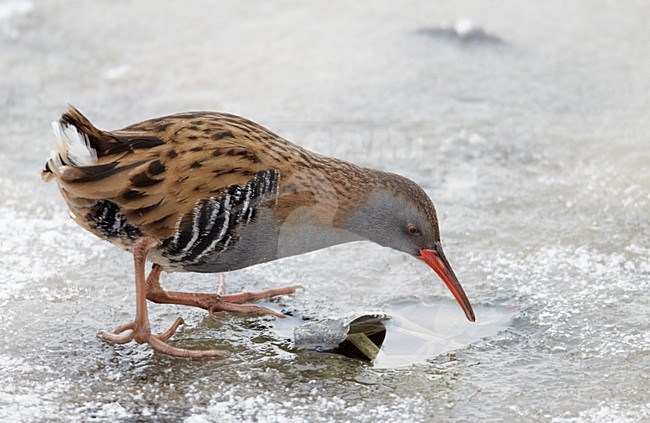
(389, 220)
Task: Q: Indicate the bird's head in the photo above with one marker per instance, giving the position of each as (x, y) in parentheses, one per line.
(398, 214)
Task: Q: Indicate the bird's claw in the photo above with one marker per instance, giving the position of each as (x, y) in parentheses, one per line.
(157, 341)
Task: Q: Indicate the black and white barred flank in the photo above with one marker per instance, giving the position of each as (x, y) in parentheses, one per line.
(210, 227)
(105, 218)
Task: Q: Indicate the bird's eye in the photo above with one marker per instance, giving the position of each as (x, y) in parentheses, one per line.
(413, 230)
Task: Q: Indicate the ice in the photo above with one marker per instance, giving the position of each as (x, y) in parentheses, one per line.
(320, 335)
(277, 407)
(10, 12)
(525, 122)
(609, 413)
(463, 29)
(11, 8)
(117, 73)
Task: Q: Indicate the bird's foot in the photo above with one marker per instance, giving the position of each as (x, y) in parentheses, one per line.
(141, 333)
(234, 302)
(215, 303)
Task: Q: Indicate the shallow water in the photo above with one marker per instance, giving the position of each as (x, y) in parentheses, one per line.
(527, 123)
(414, 331)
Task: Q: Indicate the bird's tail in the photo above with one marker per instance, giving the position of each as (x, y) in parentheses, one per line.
(78, 144)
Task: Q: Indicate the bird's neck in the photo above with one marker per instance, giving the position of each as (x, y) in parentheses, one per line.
(331, 203)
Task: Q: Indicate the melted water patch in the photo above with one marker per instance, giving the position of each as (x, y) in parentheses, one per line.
(419, 331)
(415, 331)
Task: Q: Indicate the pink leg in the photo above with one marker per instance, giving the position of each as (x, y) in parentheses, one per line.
(140, 331)
(213, 302)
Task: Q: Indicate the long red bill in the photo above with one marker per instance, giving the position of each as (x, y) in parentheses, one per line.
(437, 261)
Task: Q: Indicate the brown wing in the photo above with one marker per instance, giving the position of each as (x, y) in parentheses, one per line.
(159, 170)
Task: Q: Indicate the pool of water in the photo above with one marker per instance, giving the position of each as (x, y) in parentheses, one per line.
(413, 332)
(527, 124)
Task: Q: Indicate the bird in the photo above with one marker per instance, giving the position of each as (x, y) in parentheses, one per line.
(211, 192)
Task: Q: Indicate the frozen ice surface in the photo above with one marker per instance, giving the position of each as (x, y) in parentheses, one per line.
(464, 30)
(320, 335)
(11, 14)
(531, 136)
(10, 9)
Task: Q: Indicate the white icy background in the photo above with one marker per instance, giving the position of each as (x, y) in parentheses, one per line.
(526, 122)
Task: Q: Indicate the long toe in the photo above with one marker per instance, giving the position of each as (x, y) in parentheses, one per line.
(161, 346)
(241, 308)
(117, 337)
(247, 297)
